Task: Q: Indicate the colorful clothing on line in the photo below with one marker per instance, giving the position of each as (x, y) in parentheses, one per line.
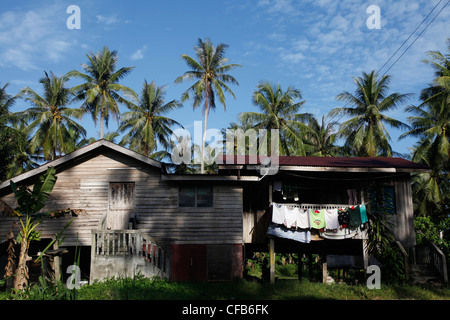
(317, 218)
(363, 212)
(343, 217)
(355, 216)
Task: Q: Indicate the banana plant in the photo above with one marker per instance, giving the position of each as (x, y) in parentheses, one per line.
(30, 205)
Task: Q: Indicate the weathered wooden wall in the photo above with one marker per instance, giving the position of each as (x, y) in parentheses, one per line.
(85, 185)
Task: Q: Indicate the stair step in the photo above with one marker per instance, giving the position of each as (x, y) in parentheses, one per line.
(423, 273)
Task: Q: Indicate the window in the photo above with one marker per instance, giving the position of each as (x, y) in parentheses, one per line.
(383, 200)
(195, 196)
(121, 196)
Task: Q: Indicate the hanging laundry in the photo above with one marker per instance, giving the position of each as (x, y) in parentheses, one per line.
(355, 216)
(317, 218)
(343, 217)
(363, 212)
(278, 212)
(331, 219)
(290, 192)
(290, 216)
(352, 196)
(277, 185)
(303, 218)
(283, 232)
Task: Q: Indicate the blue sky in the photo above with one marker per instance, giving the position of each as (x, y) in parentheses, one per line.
(315, 46)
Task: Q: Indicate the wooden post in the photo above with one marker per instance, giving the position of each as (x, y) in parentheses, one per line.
(310, 266)
(324, 269)
(300, 266)
(272, 260)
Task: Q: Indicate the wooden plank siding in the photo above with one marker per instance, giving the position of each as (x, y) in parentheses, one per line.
(85, 185)
(221, 223)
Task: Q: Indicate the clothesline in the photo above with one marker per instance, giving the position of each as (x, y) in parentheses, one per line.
(331, 221)
(313, 205)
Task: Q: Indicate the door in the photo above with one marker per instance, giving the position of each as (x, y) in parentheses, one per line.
(121, 204)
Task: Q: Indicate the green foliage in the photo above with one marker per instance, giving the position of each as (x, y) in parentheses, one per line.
(280, 110)
(30, 202)
(430, 229)
(101, 90)
(380, 237)
(365, 132)
(45, 290)
(146, 124)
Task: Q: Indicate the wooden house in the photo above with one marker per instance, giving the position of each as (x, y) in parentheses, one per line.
(129, 215)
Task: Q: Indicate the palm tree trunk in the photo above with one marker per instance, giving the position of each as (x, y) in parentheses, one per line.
(101, 123)
(202, 166)
(202, 169)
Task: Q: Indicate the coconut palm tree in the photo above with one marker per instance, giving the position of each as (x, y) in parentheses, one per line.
(11, 139)
(24, 158)
(101, 90)
(431, 123)
(321, 139)
(49, 116)
(441, 64)
(365, 132)
(209, 72)
(431, 190)
(279, 110)
(145, 124)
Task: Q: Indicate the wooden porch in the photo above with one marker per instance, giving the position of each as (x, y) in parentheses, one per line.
(123, 253)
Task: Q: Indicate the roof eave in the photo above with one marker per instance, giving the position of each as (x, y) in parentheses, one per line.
(76, 154)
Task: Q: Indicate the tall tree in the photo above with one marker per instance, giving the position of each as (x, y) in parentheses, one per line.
(279, 110)
(101, 90)
(441, 65)
(50, 117)
(365, 132)
(321, 139)
(24, 158)
(145, 124)
(430, 123)
(209, 72)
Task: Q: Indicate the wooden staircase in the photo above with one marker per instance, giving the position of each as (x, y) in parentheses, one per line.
(424, 274)
(428, 265)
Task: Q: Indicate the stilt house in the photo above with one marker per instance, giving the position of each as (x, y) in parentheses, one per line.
(129, 215)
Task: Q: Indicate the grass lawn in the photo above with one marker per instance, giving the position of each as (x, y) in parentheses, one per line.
(146, 289)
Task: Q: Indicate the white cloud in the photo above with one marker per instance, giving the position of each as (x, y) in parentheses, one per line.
(284, 7)
(138, 54)
(107, 20)
(29, 37)
(292, 57)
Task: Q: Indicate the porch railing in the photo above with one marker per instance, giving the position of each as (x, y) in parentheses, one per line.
(405, 259)
(429, 253)
(131, 243)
